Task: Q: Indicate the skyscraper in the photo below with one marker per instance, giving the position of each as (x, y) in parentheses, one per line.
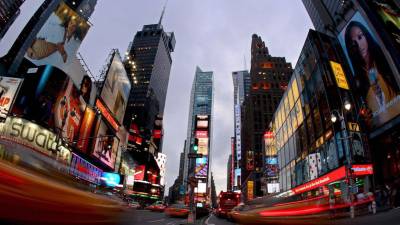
(200, 122)
(329, 16)
(241, 88)
(269, 78)
(148, 62)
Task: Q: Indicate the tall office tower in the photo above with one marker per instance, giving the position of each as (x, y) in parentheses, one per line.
(148, 62)
(199, 132)
(329, 16)
(269, 78)
(9, 10)
(241, 88)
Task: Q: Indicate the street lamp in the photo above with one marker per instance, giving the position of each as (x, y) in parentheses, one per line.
(336, 114)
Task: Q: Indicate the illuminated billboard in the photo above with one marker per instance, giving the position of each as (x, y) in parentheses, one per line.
(389, 15)
(85, 170)
(375, 80)
(50, 98)
(201, 188)
(8, 90)
(203, 146)
(111, 179)
(86, 129)
(116, 88)
(58, 40)
(105, 144)
(202, 124)
(201, 169)
(139, 172)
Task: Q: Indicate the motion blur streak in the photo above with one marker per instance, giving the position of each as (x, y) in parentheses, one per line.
(28, 198)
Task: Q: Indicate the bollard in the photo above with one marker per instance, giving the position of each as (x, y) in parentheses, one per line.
(352, 212)
(373, 207)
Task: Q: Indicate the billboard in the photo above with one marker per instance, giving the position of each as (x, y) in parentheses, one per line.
(139, 172)
(201, 169)
(86, 129)
(201, 188)
(389, 15)
(273, 188)
(116, 88)
(271, 166)
(238, 174)
(203, 146)
(374, 80)
(238, 132)
(8, 89)
(58, 40)
(105, 144)
(85, 170)
(49, 98)
(26, 12)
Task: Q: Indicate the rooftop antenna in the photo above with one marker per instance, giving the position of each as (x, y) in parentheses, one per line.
(162, 13)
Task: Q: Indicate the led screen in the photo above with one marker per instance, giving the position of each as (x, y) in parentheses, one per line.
(201, 169)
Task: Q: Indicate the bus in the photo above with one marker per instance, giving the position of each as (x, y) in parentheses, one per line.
(226, 202)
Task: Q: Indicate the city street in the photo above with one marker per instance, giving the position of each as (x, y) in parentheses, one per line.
(147, 217)
(156, 218)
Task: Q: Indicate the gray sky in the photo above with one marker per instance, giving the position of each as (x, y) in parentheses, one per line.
(213, 34)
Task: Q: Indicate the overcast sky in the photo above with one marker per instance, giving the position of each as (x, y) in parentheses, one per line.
(212, 34)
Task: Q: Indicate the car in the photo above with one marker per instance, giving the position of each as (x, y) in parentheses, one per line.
(235, 211)
(134, 205)
(158, 208)
(149, 207)
(177, 210)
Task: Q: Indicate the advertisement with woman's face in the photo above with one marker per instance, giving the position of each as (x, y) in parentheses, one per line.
(116, 88)
(50, 98)
(374, 80)
(59, 39)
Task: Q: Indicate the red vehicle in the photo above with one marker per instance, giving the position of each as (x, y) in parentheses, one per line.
(226, 202)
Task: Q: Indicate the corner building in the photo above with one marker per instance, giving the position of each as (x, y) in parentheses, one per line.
(269, 76)
(317, 154)
(375, 17)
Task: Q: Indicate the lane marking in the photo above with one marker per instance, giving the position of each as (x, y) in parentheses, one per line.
(154, 221)
(208, 220)
(171, 223)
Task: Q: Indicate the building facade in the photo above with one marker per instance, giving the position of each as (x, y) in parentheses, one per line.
(318, 140)
(241, 89)
(269, 78)
(199, 132)
(148, 62)
(375, 20)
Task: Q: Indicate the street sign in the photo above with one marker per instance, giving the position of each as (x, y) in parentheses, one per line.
(195, 155)
(353, 127)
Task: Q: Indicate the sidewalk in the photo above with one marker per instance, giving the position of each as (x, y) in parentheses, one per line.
(391, 217)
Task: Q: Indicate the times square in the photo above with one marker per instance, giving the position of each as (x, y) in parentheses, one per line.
(94, 99)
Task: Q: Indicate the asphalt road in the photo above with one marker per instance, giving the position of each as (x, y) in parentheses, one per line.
(147, 217)
(213, 220)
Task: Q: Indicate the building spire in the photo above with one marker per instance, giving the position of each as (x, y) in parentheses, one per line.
(162, 13)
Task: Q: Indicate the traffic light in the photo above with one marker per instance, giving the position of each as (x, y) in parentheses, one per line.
(196, 144)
